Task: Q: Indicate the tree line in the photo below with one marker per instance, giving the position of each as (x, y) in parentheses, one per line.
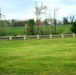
(31, 23)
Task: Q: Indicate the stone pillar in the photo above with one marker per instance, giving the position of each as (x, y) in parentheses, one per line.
(73, 35)
(62, 35)
(50, 36)
(37, 36)
(10, 37)
(24, 37)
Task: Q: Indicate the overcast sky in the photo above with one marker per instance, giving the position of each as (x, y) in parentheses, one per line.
(24, 9)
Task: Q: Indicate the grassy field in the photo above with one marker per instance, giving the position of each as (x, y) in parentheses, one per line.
(16, 31)
(45, 30)
(13, 31)
(59, 29)
(38, 57)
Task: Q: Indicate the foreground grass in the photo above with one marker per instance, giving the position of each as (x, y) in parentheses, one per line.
(38, 57)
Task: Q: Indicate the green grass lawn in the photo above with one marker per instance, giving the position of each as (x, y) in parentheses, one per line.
(46, 30)
(38, 57)
(16, 31)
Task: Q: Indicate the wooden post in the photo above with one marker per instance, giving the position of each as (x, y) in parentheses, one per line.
(10, 37)
(62, 35)
(24, 37)
(50, 36)
(37, 36)
(73, 35)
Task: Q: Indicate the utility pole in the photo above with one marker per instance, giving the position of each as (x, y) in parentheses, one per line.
(37, 13)
(55, 10)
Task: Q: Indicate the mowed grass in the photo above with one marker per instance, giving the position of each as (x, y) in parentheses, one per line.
(38, 57)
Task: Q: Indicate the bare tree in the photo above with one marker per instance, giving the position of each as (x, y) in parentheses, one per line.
(1, 15)
(4, 22)
(72, 18)
(39, 11)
